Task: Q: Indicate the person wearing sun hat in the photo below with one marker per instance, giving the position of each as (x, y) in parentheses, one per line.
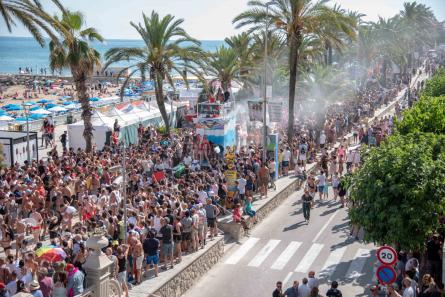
(34, 288)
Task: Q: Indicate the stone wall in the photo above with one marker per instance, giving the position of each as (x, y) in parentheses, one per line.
(187, 277)
(276, 201)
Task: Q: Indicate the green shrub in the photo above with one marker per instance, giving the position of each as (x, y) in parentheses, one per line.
(436, 85)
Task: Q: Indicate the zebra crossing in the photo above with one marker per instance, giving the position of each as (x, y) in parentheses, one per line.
(299, 257)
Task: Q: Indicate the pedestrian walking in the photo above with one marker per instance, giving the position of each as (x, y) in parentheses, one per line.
(334, 291)
(63, 139)
(307, 202)
(292, 291)
(278, 292)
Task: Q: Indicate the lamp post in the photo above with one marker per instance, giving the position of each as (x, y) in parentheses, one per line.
(265, 85)
(26, 108)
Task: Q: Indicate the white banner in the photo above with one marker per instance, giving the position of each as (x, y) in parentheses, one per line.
(255, 110)
(275, 112)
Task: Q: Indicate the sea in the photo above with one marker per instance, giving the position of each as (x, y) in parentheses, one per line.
(16, 52)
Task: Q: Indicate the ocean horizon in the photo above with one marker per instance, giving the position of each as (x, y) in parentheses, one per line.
(25, 52)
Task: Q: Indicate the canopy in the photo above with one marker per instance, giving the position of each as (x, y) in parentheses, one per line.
(101, 125)
(6, 118)
(13, 107)
(58, 109)
(94, 99)
(67, 102)
(40, 111)
(71, 106)
(37, 116)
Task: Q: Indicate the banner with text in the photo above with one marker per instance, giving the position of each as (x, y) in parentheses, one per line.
(255, 110)
(275, 112)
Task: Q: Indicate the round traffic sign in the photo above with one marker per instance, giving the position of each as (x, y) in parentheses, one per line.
(386, 274)
(387, 255)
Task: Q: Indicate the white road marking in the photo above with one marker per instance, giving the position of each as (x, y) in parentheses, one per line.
(263, 253)
(309, 258)
(356, 267)
(324, 227)
(287, 278)
(332, 262)
(242, 251)
(286, 255)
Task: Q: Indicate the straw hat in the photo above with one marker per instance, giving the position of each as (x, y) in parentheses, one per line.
(34, 285)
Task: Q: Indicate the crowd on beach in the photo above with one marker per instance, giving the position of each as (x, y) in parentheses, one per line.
(175, 189)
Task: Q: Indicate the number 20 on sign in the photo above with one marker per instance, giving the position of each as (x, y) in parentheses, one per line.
(387, 255)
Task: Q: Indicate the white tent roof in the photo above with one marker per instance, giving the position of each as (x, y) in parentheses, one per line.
(97, 119)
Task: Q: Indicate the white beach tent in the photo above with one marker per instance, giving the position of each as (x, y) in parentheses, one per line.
(101, 125)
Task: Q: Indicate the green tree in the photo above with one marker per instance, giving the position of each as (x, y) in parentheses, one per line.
(167, 48)
(427, 115)
(436, 85)
(399, 192)
(223, 65)
(31, 15)
(73, 51)
(295, 19)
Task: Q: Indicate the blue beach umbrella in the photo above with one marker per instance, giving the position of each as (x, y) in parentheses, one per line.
(94, 99)
(43, 101)
(51, 105)
(67, 102)
(14, 107)
(34, 108)
(37, 116)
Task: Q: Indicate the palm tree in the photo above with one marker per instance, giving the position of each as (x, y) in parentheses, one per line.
(224, 66)
(165, 50)
(31, 15)
(74, 52)
(295, 19)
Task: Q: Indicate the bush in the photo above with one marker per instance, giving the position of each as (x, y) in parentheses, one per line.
(436, 85)
(399, 193)
(427, 115)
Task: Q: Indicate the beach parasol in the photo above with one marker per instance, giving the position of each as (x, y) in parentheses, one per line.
(94, 99)
(6, 118)
(67, 102)
(51, 253)
(20, 119)
(43, 101)
(39, 111)
(57, 109)
(35, 108)
(11, 107)
(71, 106)
(50, 105)
(37, 116)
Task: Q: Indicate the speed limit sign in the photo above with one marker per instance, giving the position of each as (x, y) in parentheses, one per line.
(387, 255)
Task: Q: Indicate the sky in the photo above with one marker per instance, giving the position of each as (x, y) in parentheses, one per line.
(204, 19)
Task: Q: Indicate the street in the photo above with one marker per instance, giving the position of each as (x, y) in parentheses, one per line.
(284, 248)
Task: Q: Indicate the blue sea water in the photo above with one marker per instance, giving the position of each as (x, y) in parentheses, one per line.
(24, 52)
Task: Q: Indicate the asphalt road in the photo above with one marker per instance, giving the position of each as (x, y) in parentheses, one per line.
(283, 247)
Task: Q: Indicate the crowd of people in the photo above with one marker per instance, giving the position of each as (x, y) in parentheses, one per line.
(175, 188)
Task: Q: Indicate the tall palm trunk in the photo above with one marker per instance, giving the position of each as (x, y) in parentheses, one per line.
(81, 87)
(160, 99)
(295, 42)
(329, 53)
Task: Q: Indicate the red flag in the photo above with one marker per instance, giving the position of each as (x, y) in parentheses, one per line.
(158, 176)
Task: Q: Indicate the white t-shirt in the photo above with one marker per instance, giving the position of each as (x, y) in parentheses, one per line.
(188, 161)
(286, 155)
(242, 185)
(322, 138)
(408, 292)
(321, 180)
(202, 196)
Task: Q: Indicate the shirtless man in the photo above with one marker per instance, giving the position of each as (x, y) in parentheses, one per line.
(36, 229)
(263, 175)
(138, 258)
(20, 235)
